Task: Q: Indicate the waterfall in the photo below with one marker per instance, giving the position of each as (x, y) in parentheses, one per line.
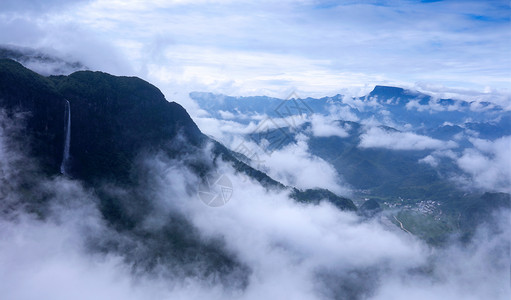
(67, 142)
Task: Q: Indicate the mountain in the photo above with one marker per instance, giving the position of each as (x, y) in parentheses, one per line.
(112, 118)
(107, 167)
(99, 130)
(402, 107)
(96, 128)
(437, 124)
(115, 118)
(415, 174)
(242, 107)
(113, 121)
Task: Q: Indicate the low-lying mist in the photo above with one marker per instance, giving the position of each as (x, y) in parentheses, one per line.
(56, 243)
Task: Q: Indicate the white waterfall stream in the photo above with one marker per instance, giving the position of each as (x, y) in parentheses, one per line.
(67, 142)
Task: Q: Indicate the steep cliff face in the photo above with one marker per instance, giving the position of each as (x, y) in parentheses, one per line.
(113, 119)
(41, 107)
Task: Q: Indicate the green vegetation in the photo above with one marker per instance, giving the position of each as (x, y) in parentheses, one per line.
(315, 196)
(431, 228)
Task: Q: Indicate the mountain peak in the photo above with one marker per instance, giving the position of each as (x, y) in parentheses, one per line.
(386, 91)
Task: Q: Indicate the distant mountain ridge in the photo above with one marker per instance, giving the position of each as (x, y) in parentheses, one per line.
(404, 107)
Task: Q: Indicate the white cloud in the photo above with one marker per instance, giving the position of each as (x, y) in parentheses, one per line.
(327, 126)
(294, 165)
(227, 131)
(273, 235)
(488, 163)
(223, 130)
(360, 104)
(501, 97)
(342, 112)
(468, 280)
(291, 250)
(430, 160)
(267, 47)
(376, 137)
(226, 114)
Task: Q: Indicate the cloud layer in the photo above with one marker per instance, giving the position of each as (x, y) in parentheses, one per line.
(289, 249)
(376, 137)
(263, 47)
(488, 164)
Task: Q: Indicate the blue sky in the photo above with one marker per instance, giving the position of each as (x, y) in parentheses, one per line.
(269, 47)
